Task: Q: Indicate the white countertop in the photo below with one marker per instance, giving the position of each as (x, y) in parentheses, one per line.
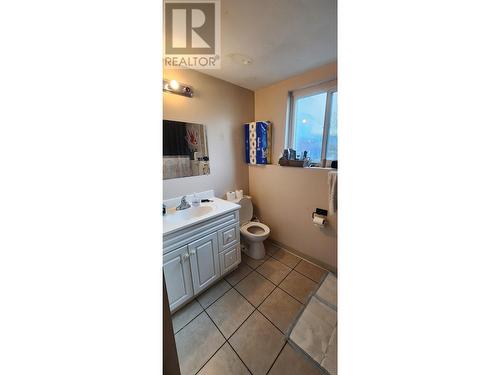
(176, 220)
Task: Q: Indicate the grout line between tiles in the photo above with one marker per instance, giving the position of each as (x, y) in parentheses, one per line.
(208, 360)
(275, 359)
(265, 317)
(286, 334)
(237, 355)
(278, 286)
(275, 287)
(218, 298)
(308, 357)
(203, 309)
(291, 269)
(317, 282)
(256, 309)
(290, 295)
(225, 341)
(294, 267)
(185, 325)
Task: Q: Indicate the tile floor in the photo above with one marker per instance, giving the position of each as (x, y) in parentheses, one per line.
(240, 325)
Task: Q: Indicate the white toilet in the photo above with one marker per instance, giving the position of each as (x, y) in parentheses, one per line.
(253, 233)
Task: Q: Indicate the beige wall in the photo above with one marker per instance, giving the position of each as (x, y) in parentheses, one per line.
(285, 197)
(223, 108)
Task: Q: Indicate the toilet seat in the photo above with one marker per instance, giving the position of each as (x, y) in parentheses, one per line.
(255, 230)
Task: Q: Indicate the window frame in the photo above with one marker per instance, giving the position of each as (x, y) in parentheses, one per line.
(329, 87)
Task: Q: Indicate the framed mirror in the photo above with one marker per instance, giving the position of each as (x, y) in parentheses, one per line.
(185, 150)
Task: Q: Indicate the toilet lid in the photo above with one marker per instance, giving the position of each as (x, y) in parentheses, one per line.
(246, 210)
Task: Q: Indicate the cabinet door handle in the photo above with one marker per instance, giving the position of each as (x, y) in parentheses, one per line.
(192, 252)
(185, 257)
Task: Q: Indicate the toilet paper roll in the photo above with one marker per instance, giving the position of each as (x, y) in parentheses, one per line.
(239, 194)
(319, 221)
(230, 195)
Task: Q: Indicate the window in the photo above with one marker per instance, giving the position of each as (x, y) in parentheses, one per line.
(313, 122)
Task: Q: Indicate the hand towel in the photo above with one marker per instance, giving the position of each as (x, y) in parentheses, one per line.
(332, 192)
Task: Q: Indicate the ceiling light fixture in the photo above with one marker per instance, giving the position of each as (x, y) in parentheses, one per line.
(175, 87)
(241, 59)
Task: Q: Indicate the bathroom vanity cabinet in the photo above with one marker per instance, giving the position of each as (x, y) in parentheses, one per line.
(197, 256)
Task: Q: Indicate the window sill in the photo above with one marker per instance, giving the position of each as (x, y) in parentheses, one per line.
(328, 168)
(288, 166)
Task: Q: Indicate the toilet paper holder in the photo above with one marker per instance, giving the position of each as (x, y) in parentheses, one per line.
(319, 217)
(319, 212)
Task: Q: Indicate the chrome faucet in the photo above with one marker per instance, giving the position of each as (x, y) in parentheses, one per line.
(184, 204)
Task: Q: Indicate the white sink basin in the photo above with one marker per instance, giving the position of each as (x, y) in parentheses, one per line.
(174, 216)
(177, 220)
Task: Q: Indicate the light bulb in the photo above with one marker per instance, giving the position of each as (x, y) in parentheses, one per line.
(174, 85)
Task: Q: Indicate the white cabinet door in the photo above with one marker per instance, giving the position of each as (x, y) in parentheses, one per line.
(177, 276)
(204, 260)
(229, 259)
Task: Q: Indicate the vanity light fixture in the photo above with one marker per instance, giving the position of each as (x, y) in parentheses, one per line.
(175, 87)
(174, 84)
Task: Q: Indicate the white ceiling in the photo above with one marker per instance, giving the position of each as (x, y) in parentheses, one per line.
(282, 37)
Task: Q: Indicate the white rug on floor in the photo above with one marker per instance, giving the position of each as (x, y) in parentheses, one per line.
(315, 331)
(327, 292)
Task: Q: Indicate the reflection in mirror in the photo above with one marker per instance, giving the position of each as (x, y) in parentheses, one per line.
(185, 150)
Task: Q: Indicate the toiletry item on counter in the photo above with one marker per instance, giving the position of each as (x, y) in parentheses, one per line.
(307, 160)
(258, 142)
(289, 154)
(234, 195)
(206, 201)
(203, 168)
(196, 200)
(289, 159)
